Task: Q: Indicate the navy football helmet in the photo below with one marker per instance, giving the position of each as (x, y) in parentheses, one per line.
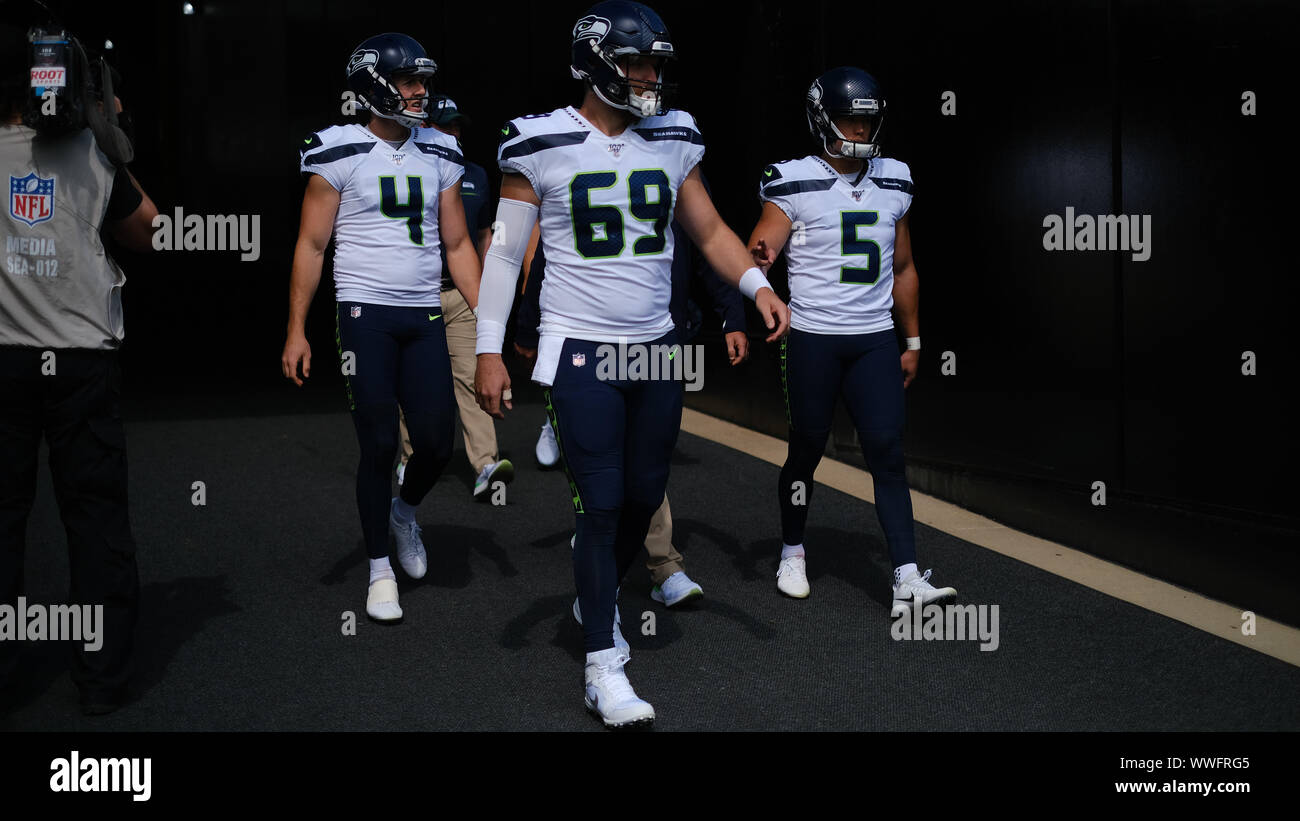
(845, 92)
(614, 29)
(372, 68)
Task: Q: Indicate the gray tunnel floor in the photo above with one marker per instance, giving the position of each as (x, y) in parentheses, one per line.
(242, 603)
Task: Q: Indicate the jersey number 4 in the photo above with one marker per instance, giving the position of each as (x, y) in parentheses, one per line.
(850, 245)
(598, 229)
(412, 210)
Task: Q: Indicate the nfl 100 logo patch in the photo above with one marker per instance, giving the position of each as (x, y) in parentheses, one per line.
(31, 198)
(579, 359)
(356, 311)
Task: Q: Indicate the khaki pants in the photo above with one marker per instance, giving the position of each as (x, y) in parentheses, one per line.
(664, 559)
(480, 434)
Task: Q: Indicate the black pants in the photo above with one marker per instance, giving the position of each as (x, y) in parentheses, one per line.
(865, 369)
(616, 438)
(76, 408)
(400, 357)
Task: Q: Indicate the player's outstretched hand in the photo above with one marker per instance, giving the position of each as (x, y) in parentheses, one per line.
(492, 385)
(909, 362)
(763, 256)
(296, 350)
(774, 312)
(737, 347)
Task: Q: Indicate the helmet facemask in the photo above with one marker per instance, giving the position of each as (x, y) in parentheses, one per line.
(389, 102)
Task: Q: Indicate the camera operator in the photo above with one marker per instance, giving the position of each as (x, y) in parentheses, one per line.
(64, 161)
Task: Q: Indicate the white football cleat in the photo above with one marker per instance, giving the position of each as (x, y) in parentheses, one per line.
(676, 589)
(410, 549)
(918, 588)
(610, 695)
(381, 601)
(548, 450)
(502, 471)
(792, 578)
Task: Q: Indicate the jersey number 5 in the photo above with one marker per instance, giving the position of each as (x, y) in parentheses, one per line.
(850, 245)
(412, 210)
(598, 229)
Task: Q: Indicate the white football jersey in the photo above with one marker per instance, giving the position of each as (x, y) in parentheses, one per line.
(386, 241)
(607, 208)
(841, 247)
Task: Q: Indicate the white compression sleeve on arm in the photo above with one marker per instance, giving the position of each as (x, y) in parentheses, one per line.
(510, 233)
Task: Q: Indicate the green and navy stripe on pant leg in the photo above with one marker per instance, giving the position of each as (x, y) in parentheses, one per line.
(564, 462)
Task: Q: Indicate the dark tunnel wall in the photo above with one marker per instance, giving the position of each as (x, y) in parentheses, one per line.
(1070, 367)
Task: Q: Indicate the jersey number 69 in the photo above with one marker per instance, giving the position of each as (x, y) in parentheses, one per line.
(598, 229)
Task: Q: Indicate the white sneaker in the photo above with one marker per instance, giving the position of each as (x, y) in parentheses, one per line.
(676, 589)
(492, 473)
(410, 549)
(610, 695)
(381, 601)
(548, 450)
(917, 587)
(401, 473)
(620, 643)
(792, 578)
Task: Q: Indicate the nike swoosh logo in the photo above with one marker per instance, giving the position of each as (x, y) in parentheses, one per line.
(307, 140)
(505, 130)
(432, 317)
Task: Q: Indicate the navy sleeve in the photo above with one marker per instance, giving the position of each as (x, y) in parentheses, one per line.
(124, 198)
(728, 303)
(529, 315)
(485, 211)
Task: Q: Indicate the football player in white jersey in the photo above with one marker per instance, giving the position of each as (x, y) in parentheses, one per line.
(850, 263)
(607, 179)
(389, 194)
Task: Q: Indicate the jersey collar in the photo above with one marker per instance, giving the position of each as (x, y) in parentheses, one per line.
(851, 182)
(410, 135)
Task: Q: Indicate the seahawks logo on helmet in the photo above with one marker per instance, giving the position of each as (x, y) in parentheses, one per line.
(591, 27)
(361, 59)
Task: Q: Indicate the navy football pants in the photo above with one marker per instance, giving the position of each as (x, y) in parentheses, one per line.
(865, 369)
(616, 439)
(400, 357)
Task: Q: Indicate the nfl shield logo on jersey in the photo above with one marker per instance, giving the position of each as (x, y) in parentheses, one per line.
(579, 359)
(356, 311)
(31, 198)
(857, 196)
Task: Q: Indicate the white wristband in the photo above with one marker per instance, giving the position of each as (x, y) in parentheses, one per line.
(752, 282)
(914, 343)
